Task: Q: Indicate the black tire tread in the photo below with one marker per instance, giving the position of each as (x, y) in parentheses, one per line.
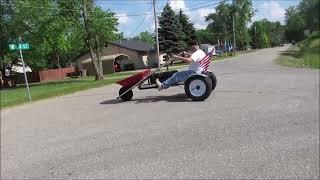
(206, 80)
(127, 96)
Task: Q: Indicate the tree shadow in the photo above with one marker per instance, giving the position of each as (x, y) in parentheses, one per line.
(151, 99)
(291, 53)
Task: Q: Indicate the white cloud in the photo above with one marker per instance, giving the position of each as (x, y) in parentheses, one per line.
(271, 10)
(149, 16)
(198, 17)
(200, 26)
(204, 12)
(178, 4)
(123, 18)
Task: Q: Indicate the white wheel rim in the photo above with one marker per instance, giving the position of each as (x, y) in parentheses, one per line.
(197, 88)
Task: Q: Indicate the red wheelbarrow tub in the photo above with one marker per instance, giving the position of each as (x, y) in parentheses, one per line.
(134, 79)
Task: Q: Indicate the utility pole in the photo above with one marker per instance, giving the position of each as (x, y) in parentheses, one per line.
(234, 32)
(156, 28)
(234, 36)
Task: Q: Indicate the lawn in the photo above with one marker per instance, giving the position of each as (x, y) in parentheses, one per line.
(16, 96)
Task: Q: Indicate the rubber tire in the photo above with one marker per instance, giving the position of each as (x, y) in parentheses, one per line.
(206, 81)
(213, 80)
(127, 96)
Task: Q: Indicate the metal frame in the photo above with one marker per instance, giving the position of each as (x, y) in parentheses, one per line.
(147, 77)
(153, 72)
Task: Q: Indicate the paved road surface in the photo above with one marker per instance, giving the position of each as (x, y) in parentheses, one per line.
(261, 122)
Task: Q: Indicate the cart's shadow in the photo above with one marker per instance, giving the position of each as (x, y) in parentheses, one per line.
(150, 99)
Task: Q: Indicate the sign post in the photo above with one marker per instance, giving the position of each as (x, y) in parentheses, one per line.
(20, 47)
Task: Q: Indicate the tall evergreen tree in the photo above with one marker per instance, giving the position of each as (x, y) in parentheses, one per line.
(187, 27)
(170, 32)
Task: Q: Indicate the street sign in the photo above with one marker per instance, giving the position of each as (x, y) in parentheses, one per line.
(19, 46)
(24, 46)
(13, 47)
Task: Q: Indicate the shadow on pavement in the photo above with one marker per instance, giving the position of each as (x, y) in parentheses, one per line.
(150, 99)
(291, 53)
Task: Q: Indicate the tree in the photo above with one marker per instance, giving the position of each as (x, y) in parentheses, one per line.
(309, 10)
(120, 36)
(244, 12)
(102, 28)
(259, 34)
(295, 25)
(25, 22)
(205, 37)
(220, 23)
(170, 34)
(56, 32)
(146, 37)
(273, 30)
(188, 29)
(303, 17)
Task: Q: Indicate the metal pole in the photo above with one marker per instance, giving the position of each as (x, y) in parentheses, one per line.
(156, 28)
(25, 75)
(234, 35)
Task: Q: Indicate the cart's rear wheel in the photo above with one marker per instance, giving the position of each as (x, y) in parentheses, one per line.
(127, 96)
(213, 81)
(198, 88)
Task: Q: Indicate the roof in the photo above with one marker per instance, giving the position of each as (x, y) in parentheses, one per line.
(105, 58)
(206, 45)
(135, 45)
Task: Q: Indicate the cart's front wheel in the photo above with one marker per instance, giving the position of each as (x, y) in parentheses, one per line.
(127, 96)
(198, 88)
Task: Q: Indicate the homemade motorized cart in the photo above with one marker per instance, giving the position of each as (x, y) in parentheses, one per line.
(198, 87)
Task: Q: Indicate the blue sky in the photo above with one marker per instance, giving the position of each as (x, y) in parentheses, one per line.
(136, 16)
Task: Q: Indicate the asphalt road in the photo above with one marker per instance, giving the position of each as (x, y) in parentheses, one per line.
(262, 121)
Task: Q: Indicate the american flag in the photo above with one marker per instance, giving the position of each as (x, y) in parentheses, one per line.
(205, 62)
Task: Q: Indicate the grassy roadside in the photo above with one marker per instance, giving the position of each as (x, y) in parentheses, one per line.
(305, 54)
(16, 96)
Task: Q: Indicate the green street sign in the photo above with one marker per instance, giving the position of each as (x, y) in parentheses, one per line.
(19, 46)
(24, 46)
(13, 46)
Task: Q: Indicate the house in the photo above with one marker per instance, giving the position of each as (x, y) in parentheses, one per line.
(207, 47)
(125, 55)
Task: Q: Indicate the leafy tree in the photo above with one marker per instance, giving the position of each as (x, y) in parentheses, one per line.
(221, 22)
(102, 26)
(273, 30)
(146, 37)
(56, 32)
(309, 10)
(259, 35)
(303, 17)
(205, 37)
(244, 13)
(120, 36)
(295, 26)
(98, 27)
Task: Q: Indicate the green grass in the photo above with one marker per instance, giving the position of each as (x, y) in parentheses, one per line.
(303, 54)
(43, 90)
